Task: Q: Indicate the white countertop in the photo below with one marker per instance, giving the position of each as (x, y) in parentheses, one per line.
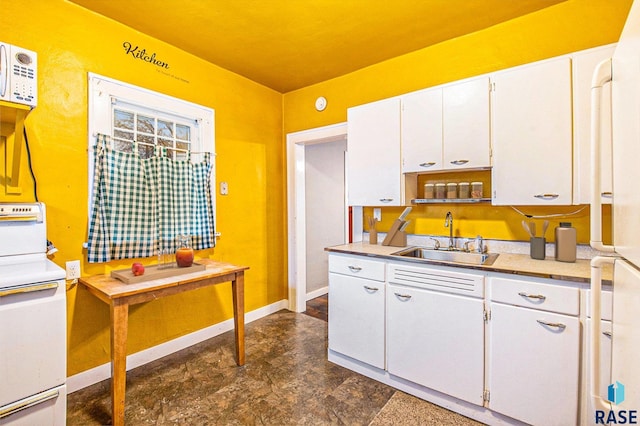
(521, 264)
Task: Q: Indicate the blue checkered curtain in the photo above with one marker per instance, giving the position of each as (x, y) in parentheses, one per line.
(141, 205)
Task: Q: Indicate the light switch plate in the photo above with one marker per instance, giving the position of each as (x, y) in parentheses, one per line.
(224, 188)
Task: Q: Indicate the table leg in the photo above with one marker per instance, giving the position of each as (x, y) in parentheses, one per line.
(119, 323)
(237, 286)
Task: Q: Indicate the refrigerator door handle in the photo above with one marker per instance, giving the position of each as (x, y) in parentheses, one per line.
(601, 76)
(596, 316)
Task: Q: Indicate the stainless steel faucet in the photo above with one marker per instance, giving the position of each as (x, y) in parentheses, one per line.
(448, 222)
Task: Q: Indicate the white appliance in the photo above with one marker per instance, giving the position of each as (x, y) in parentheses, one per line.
(18, 75)
(33, 321)
(623, 70)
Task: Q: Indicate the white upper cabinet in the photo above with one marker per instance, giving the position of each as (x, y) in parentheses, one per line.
(584, 63)
(532, 138)
(447, 127)
(422, 131)
(466, 118)
(373, 154)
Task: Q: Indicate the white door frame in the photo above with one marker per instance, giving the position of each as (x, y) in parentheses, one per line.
(296, 207)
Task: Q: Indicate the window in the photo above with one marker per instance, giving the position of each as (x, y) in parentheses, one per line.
(128, 113)
(172, 142)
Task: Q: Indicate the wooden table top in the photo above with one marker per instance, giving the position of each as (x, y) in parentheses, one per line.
(113, 288)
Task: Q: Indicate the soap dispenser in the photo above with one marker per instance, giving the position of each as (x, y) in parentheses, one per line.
(565, 242)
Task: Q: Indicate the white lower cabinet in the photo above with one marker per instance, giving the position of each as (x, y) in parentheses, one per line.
(356, 308)
(436, 340)
(511, 347)
(534, 357)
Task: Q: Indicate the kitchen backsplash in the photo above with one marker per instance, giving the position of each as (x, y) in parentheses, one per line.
(584, 251)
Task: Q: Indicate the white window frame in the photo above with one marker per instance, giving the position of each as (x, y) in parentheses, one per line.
(102, 92)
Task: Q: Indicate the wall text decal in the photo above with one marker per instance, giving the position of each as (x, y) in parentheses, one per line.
(142, 54)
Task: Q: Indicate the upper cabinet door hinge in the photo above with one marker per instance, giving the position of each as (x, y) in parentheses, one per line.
(492, 86)
(486, 315)
(486, 395)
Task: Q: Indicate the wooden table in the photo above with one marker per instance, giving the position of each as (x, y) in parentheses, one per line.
(119, 296)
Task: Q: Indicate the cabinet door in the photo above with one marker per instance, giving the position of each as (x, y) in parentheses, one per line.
(533, 365)
(356, 318)
(584, 63)
(373, 154)
(466, 117)
(422, 131)
(436, 340)
(532, 159)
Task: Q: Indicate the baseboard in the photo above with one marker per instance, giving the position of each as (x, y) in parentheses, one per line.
(317, 293)
(102, 372)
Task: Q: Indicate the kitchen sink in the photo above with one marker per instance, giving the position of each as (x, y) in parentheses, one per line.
(454, 256)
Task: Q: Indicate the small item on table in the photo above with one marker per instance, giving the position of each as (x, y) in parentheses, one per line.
(184, 251)
(137, 269)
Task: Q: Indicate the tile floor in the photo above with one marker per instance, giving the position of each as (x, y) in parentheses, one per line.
(287, 380)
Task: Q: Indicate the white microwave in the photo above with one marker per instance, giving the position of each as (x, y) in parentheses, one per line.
(18, 75)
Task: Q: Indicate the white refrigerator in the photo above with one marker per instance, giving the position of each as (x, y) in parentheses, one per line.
(623, 71)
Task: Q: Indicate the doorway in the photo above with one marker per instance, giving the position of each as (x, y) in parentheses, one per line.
(317, 216)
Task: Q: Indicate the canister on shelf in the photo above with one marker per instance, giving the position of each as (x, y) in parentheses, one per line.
(440, 190)
(463, 190)
(476, 189)
(452, 190)
(428, 190)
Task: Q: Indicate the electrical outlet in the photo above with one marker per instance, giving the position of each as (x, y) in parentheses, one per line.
(73, 269)
(224, 188)
(377, 214)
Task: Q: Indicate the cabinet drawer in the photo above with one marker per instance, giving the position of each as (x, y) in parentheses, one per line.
(536, 295)
(357, 266)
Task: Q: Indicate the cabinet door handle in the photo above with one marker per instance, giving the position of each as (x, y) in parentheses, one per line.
(429, 164)
(355, 268)
(606, 194)
(547, 196)
(386, 200)
(607, 333)
(403, 296)
(366, 287)
(552, 324)
(459, 162)
(532, 296)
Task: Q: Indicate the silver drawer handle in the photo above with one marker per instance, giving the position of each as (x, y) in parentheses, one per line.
(355, 268)
(386, 200)
(607, 194)
(27, 288)
(403, 296)
(459, 162)
(23, 404)
(366, 287)
(607, 333)
(532, 296)
(552, 324)
(429, 164)
(547, 196)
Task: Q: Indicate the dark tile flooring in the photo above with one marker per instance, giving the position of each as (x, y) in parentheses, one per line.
(287, 380)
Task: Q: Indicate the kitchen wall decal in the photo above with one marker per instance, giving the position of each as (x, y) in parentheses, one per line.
(142, 54)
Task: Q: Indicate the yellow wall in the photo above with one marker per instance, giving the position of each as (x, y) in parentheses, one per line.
(70, 42)
(566, 27)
